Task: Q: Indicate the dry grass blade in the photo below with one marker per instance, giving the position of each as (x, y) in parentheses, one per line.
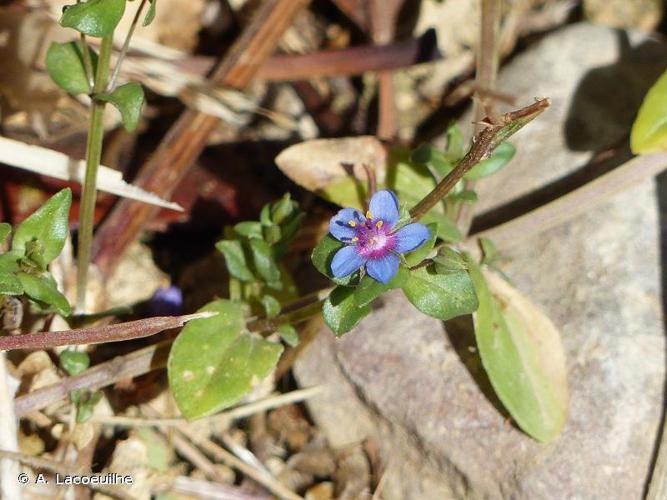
(576, 202)
(45, 161)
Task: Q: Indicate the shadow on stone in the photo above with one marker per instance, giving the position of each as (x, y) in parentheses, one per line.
(461, 334)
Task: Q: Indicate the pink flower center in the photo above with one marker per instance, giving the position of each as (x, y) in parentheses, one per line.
(375, 239)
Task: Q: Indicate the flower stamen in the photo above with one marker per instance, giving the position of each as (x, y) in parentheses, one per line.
(352, 223)
(369, 215)
(379, 223)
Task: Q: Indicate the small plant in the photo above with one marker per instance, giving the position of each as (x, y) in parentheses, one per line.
(390, 244)
(36, 242)
(78, 69)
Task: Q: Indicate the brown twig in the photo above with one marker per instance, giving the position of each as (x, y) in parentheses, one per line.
(101, 334)
(122, 367)
(482, 146)
(187, 137)
(487, 70)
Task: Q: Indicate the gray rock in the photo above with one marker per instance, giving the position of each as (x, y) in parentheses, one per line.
(418, 389)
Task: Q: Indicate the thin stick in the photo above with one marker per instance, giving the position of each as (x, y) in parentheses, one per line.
(131, 365)
(37, 463)
(9, 470)
(210, 490)
(101, 334)
(483, 145)
(222, 455)
(223, 418)
(123, 51)
(576, 202)
(487, 70)
(193, 455)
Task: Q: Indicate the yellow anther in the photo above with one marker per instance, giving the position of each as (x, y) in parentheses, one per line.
(352, 223)
(369, 215)
(355, 238)
(379, 223)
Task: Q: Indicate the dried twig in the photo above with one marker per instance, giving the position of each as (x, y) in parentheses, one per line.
(210, 490)
(483, 145)
(487, 69)
(122, 367)
(187, 137)
(101, 334)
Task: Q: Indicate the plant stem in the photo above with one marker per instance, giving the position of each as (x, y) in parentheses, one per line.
(126, 45)
(87, 62)
(303, 313)
(487, 70)
(93, 156)
(495, 131)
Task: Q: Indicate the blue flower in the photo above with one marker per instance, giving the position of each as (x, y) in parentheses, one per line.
(370, 239)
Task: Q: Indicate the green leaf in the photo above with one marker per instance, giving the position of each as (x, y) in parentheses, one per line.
(465, 196)
(416, 256)
(322, 256)
(271, 306)
(43, 289)
(5, 231)
(64, 63)
(95, 17)
(289, 334)
(49, 225)
(264, 261)
(236, 259)
(249, 229)
(455, 143)
(447, 229)
(443, 296)
(369, 289)
(522, 354)
(9, 262)
(127, 99)
(340, 312)
(428, 155)
(448, 260)
(214, 362)
(10, 284)
(150, 15)
(649, 131)
(500, 157)
(74, 362)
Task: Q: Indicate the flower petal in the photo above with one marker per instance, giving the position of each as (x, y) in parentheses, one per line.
(383, 269)
(346, 261)
(384, 206)
(410, 237)
(340, 227)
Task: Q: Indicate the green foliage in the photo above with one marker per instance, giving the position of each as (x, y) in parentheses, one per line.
(5, 231)
(340, 311)
(440, 295)
(215, 361)
(500, 157)
(85, 402)
(64, 63)
(37, 241)
(370, 289)
(322, 256)
(150, 15)
(521, 353)
(74, 362)
(649, 131)
(49, 225)
(127, 99)
(236, 259)
(44, 290)
(95, 17)
(289, 334)
(10, 284)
